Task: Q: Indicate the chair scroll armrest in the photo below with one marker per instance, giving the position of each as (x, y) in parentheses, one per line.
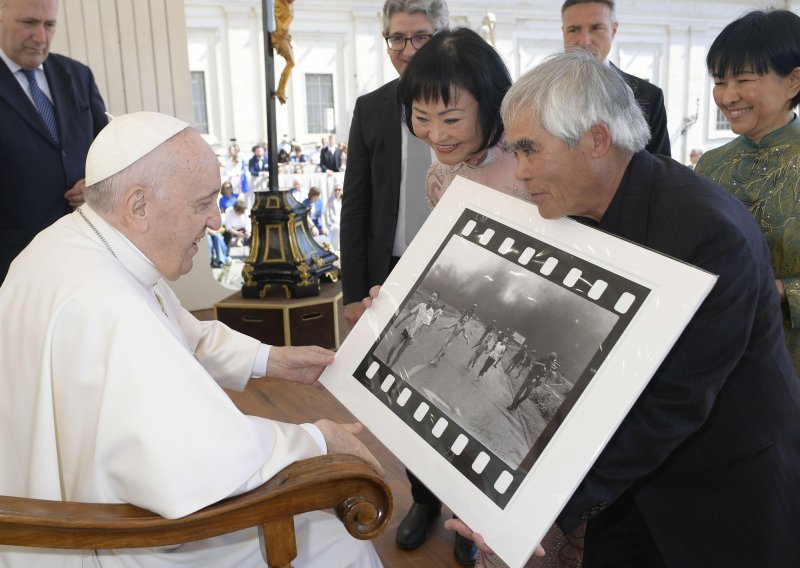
(342, 482)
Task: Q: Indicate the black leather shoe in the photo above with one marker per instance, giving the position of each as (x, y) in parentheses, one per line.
(413, 530)
(465, 551)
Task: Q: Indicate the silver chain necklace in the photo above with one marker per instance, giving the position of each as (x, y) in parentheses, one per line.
(96, 232)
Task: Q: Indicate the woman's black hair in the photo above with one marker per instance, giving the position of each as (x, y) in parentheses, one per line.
(758, 42)
(459, 59)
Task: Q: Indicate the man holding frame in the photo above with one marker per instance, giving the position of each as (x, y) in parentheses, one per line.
(705, 468)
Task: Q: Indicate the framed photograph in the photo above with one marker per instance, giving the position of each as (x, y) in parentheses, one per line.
(503, 352)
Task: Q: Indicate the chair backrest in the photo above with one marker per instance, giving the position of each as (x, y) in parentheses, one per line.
(362, 501)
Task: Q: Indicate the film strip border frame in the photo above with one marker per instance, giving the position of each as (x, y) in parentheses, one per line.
(477, 463)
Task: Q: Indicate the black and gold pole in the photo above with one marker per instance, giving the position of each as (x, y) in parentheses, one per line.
(282, 251)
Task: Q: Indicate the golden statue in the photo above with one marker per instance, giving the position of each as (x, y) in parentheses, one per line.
(282, 43)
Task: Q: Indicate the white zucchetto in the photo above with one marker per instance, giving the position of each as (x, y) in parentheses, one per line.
(126, 139)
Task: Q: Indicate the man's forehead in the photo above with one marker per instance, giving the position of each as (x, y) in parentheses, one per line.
(417, 21)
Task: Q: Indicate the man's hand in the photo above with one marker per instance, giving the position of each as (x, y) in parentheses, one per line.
(341, 439)
(352, 312)
(298, 364)
(74, 195)
(462, 529)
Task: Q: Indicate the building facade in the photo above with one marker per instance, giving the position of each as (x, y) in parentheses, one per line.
(339, 55)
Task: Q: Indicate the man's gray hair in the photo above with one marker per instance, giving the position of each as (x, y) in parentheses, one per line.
(105, 196)
(435, 10)
(569, 93)
(609, 3)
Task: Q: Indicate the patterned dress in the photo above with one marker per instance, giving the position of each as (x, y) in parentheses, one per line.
(765, 176)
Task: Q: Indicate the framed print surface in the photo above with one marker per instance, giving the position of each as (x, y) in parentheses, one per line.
(503, 352)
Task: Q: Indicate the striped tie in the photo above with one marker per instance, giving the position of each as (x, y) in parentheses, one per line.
(46, 109)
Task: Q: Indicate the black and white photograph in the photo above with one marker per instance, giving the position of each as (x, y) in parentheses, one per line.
(502, 353)
(494, 339)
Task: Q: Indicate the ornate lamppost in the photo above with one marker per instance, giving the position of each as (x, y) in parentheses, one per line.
(282, 252)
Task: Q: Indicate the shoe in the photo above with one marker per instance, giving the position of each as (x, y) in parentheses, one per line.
(413, 529)
(465, 551)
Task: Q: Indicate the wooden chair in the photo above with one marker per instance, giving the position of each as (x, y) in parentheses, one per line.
(345, 483)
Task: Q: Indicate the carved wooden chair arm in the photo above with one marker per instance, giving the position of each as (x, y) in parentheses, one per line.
(362, 501)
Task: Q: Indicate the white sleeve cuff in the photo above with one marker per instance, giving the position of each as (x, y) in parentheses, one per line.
(262, 358)
(316, 433)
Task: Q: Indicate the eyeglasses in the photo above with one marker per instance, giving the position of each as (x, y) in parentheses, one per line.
(398, 42)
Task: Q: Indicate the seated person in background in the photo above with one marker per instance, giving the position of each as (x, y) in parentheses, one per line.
(283, 162)
(237, 224)
(298, 160)
(333, 216)
(227, 198)
(315, 215)
(297, 190)
(141, 416)
(217, 248)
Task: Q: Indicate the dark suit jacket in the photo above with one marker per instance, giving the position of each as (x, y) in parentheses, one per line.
(371, 196)
(651, 100)
(710, 453)
(330, 160)
(34, 171)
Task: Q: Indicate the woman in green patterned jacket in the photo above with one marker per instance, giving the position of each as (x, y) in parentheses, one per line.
(755, 63)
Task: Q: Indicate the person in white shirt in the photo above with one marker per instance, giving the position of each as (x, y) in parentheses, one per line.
(237, 224)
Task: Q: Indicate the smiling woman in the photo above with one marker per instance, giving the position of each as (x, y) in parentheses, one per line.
(451, 93)
(755, 63)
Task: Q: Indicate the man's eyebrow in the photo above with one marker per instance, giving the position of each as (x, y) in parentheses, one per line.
(524, 145)
(205, 197)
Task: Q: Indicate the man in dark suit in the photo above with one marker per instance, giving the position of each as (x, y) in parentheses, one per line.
(42, 152)
(330, 157)
(593, 24)
(373, 221)
(705, 468)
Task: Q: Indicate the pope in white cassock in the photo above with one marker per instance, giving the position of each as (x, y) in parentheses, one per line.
(111, 392)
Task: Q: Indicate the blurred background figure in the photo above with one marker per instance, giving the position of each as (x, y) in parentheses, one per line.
(333, 216)
(694, 155)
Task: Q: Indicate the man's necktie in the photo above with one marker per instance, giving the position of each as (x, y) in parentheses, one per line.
(46, 109)
(418, 159)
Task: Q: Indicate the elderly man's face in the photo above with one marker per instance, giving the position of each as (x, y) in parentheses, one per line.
(186, 206)
(558, 179)
(589, 25)
(407, 25)
(26, 29)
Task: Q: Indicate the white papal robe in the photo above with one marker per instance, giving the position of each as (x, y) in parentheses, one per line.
(111, 392)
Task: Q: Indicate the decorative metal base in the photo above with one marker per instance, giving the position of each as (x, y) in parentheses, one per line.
(283, 252)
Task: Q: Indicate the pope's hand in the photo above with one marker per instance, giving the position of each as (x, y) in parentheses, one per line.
(341, 439)
(298, 364)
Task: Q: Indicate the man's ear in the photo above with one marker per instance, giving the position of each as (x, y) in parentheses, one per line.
(601, 140)
(137, 203)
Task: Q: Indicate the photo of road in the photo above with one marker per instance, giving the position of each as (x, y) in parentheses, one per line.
(495, 347)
